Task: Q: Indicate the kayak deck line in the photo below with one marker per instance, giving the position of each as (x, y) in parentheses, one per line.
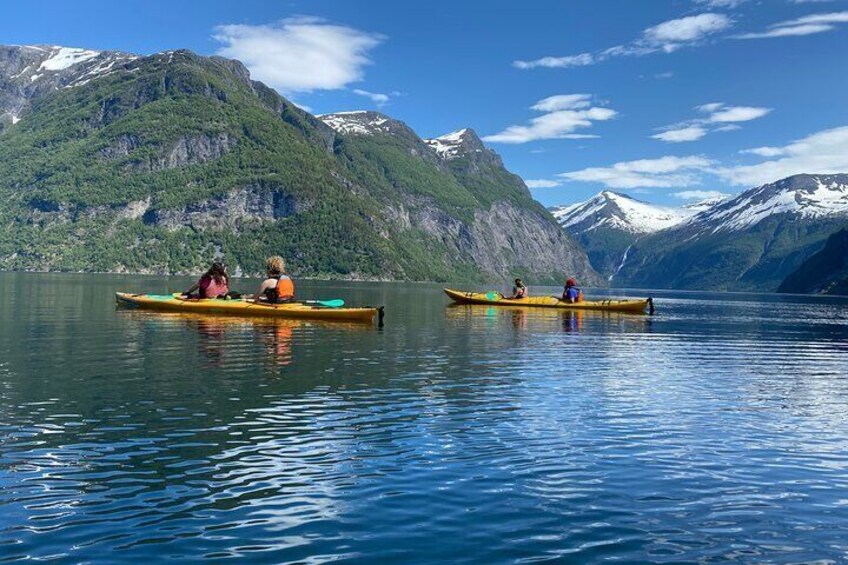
(239, 307)
(497, 299)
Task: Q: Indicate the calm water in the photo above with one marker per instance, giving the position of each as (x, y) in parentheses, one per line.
(716, 430)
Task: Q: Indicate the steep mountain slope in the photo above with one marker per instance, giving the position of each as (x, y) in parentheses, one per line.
(464, 200)
(159, 163)
(608, 224)
(29, 72)
(750, 242)
(824, 272)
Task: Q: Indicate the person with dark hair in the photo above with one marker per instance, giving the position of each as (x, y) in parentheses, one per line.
(518, 291)
(214, 283)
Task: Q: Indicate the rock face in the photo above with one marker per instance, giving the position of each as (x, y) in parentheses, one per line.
(113, 162)
(825, 272)
(750, 242)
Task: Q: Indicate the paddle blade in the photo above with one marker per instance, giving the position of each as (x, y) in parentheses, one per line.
(334, 303)
(492, 295)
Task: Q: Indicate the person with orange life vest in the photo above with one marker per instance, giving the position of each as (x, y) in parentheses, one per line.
(571, 293)
(278, 287)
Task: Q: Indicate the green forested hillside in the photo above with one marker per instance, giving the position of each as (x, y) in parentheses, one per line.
(172, 159)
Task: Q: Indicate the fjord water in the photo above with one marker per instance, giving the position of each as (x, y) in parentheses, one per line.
(715, 430)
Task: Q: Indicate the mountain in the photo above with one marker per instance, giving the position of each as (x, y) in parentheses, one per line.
(750, 242)
(114, 162)
(28, 72)
(608, 224)
(824, 272)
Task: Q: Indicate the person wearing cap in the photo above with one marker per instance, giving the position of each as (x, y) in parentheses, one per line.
(518, 291)
(571, 293)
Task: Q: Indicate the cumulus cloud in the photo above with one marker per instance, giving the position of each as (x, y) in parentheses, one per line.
(806, 25)
(667, 37)
(720, 117)
(823, 152)
(299, 54)
(699, 194)
(664, 172)
(563, 115)
(541, 183)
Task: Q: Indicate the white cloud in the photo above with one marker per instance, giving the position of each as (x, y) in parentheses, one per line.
(377, 98)
(674, 34)
(689, 133)
(824, 152)
(764, 151)
(299, 54)
(541, 183)
(698, 194)
(664, 172)
(720, 3)
(667, 37)
(563, 102)
(806, 25)
(667, 74)
(717, 113)
(564, 114)
(729, 114)
(580, 60)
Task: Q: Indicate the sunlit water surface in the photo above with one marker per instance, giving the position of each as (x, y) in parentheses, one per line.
(715, 430)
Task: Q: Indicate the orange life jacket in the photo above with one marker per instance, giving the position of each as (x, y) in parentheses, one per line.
(284, 289)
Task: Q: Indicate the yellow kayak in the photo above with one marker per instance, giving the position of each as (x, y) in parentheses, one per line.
(497, 299)
(294, 310)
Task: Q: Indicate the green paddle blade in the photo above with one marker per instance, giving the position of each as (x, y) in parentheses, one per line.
(334, 303)
(492, 295)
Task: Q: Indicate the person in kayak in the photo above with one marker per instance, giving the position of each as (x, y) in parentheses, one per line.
(518, 291)
(214, 283)
(278, 288)
(571, 293)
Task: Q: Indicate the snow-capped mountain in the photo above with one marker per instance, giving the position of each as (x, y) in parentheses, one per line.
(456, 144)
(358, 122)
(29, 71)
(752, 241)
(802, 196)
(618, 211)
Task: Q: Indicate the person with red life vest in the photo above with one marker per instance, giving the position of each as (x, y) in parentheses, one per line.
(571, 293)
(214, 283)
(278, 288)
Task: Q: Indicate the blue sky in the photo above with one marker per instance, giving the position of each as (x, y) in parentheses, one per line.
(665, 100)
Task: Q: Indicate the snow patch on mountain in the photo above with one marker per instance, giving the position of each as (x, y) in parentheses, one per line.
(613, 210)
(357, 122)
(805, 196)
(453, 144)
(63, 57)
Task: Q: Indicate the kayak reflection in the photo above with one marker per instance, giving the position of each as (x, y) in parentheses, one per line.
(550, 320)
(227, 339)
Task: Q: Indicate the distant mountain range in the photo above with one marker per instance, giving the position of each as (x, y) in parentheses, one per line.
(609, 223)
(115, 162)
(752, 241)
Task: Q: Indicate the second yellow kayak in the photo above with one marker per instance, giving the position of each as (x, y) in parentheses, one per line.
(497, 299)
